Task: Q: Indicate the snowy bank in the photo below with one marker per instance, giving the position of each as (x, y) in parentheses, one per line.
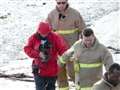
(107, 30)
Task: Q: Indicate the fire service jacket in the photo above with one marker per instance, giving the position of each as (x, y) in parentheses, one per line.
(88, 62)
(70, 26)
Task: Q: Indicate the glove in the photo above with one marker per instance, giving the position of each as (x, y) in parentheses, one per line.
(35, 69)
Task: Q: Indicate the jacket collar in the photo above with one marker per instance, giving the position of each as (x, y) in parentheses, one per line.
(105, 80)
(107, 83)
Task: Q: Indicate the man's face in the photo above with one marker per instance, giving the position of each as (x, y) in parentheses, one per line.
(88, 41)
(114, 77)
(61, 4)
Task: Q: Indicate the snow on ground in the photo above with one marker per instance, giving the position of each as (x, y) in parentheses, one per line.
(6, 84)
(107, 30)
(15, 67)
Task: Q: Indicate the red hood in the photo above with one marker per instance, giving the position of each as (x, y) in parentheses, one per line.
(44, 28)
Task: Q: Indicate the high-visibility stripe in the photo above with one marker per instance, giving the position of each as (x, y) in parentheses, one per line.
(77, 87)
(93, 65)
(71, 31)
(62, 60)
(83, 88)
(82, 65)
(64, 88)
(86, 88)
(76, 67)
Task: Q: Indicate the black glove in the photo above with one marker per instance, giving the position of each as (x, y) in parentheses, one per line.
(35, 69)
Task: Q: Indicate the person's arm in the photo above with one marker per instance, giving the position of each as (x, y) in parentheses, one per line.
(61, 45)
(107, 58)
(80, 23)
(99, 85)
(95, 87)
(49, 17)
(62, 48)
(66, 56)
(29, 48)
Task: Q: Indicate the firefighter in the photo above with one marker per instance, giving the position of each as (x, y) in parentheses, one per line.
(111, 79)
(44, 46)
(68, 22)
(89, 55)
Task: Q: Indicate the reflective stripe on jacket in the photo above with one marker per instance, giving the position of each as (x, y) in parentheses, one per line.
(77, 87)
(67, 26)
(67, 32)
(89, 62)
(77, 66)
(64, 88)
(70, 35)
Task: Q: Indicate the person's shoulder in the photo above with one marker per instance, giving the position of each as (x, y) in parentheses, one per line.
(52, 11)
(32, 37)
(77, 44)
(100, 45)
(98, 82)
(78, 41)
(98, 85)
(73, 10)
(55, 35)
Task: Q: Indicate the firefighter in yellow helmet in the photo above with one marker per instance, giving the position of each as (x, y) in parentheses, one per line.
(67, 22)
(89, 55)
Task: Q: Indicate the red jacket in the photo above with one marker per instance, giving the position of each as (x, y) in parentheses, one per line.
(59, 46)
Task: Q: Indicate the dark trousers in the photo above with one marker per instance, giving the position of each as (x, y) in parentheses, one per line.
(45, 83)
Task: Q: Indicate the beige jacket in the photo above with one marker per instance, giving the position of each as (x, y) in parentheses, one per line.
(104, 85)
(72, 21)
(90, 61)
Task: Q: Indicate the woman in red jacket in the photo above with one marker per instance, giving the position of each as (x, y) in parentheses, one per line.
(44, 46)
